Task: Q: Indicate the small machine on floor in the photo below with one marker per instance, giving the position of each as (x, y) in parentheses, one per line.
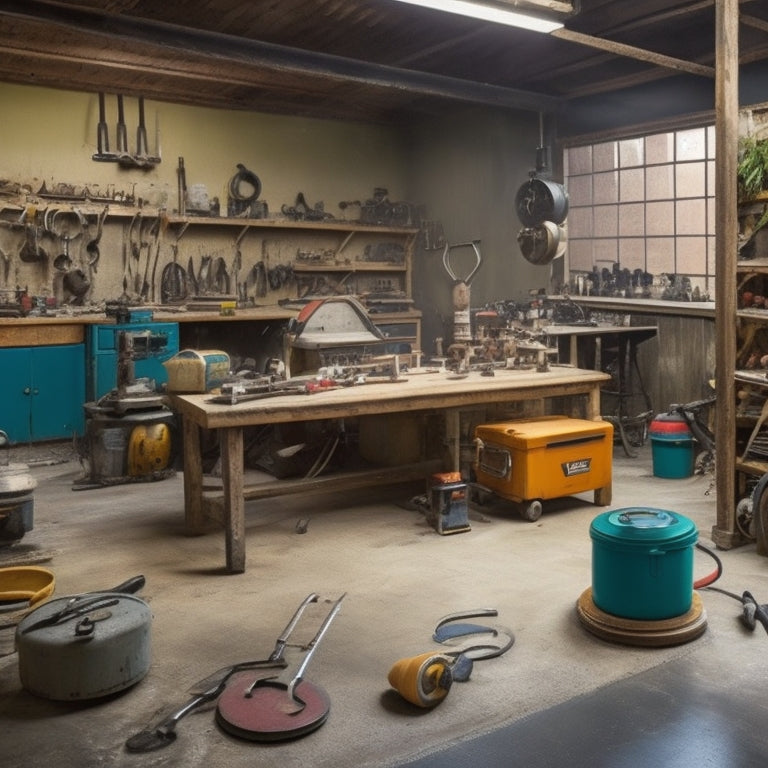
(129, 433)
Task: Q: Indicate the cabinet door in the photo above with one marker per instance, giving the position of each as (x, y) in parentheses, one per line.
(16, 393)
(58, 391)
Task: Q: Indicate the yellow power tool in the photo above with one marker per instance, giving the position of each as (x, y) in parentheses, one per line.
(424, 680)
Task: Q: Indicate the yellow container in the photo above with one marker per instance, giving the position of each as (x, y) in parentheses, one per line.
(544, 457)
(194, 371)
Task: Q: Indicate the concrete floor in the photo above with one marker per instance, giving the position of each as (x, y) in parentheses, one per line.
(559, 697)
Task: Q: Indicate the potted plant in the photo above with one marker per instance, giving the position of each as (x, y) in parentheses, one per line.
(752, 170)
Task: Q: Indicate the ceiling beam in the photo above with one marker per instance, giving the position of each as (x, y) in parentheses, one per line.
(751, 21)
(197, 46)
(630, 51)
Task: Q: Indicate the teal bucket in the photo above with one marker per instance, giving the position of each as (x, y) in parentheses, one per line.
(671, 446)
(642, 563)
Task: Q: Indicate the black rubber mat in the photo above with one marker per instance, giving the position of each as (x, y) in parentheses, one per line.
(673, 716)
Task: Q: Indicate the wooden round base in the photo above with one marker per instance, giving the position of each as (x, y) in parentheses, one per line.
(663, 632)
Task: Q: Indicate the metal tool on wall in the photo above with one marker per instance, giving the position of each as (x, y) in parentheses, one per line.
(141, 158)
(461, 316)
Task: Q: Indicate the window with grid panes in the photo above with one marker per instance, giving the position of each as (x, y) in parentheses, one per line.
(643, 207)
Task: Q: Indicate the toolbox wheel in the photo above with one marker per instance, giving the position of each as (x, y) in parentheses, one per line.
(532, 511)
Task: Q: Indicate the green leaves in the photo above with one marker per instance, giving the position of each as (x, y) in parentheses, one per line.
(752, 170)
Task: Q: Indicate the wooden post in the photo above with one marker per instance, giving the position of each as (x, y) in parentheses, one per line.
(724, 533)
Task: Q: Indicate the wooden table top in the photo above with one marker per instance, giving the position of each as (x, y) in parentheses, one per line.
(415, 391)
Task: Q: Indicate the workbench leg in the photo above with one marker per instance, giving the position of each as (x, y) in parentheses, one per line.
(453, 438)
(193, 478)
(231, 446)
(593, 404)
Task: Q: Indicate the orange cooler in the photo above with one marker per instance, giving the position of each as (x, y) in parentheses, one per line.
(544, 457)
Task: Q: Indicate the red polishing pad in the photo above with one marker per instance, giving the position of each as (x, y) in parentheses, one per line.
(267, 712)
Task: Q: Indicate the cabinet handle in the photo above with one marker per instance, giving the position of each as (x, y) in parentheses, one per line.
(27, 390)
(35, 391)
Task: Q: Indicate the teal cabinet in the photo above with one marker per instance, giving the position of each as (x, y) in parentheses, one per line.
(42, 391)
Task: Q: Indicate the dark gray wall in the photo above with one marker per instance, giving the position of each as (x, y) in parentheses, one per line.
(469, 170)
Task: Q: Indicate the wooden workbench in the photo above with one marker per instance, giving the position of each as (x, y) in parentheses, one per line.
(423, 392)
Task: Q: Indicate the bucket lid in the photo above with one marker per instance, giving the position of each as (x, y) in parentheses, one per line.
(666, 423)
(643, 525)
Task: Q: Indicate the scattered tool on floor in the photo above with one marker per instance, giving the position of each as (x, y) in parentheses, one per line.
(285, 724)
(86, 646)
(480, 641)
(753, 612)
(278, 707)
(426, 679)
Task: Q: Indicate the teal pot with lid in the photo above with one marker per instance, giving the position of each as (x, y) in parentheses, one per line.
(642, 563)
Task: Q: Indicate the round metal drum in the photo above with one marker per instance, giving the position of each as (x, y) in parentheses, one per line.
(92, 646)
(642, 563)
(539, 200)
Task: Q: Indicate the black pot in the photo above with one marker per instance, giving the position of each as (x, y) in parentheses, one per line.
(539, 200)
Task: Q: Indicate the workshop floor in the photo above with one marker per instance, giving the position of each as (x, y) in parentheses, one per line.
(559, 697)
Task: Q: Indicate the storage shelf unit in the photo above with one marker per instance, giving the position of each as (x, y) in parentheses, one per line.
(751, 363)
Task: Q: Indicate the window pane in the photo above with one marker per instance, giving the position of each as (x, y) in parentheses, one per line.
(579, 160)
(691, 145)
(604, 157)
(690, 179)
(632, 220)
(605, 188)
(711, 142)
(659, 182)
(606, 253)
(580, 190)
(711, 178)
(631, 152)
(632, 185)
(691, 255)
(606, 221)
(632, 253)
(660, 218)
(659, 148)
(580, 222)
(710, 215)
(691, 217)
(580, 255)
(660, 255)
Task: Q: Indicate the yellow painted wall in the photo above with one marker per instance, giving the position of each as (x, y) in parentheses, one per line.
(50, 136)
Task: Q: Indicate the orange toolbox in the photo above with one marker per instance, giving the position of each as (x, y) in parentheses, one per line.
(530, 460)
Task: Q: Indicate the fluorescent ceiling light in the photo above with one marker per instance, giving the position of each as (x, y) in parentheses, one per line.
(489, 13)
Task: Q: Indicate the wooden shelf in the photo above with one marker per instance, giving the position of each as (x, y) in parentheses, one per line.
(357, 266)
(334, 225)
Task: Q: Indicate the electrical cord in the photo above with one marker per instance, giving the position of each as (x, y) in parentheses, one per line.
(711, 578)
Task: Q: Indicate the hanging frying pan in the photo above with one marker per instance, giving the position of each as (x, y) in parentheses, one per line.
(539, 200)
(541, 244)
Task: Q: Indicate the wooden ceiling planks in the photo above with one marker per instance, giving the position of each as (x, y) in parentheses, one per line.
(222, 52)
